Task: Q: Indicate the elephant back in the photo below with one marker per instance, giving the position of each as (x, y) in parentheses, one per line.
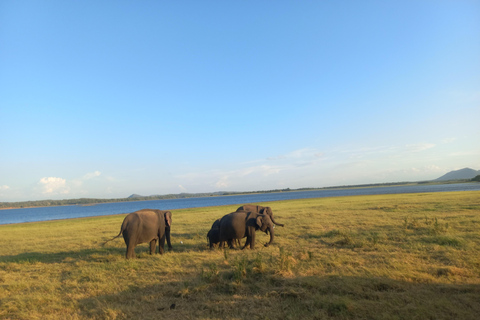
(233, 225)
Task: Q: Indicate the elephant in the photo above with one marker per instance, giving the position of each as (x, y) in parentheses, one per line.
(146, 225)
(214, 235)
(259, 209)
(241, 224)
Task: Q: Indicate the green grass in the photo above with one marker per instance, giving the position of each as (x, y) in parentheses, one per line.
(365, 257)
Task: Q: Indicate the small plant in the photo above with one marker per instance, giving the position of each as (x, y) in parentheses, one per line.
(331, 233)
(258, 264)
(225, 254)
(310, 255)
(347, 238)
(336, 308)
(374, 238)
(211, 273)
(427, 221)
(444, 241)
(284, 260)
(435, 227)
(240, 269)
(439, 228)
(410, 223)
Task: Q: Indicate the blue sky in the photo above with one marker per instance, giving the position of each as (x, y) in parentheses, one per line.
(108, 98)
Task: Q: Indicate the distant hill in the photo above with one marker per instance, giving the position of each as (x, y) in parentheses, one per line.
(462, 174)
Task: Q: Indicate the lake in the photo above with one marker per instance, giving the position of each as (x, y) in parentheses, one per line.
(78, 211)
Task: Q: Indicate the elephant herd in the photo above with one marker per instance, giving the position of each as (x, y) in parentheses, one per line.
(150, 225)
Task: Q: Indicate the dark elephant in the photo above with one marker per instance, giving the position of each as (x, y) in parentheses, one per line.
(259, 209)
(147, 225)
(213, 235)
(241, 224)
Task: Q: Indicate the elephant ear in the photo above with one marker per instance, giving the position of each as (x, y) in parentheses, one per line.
(168, 218)
(267, 222)
(259, 221)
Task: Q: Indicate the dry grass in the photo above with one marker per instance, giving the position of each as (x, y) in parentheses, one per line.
(367, 257)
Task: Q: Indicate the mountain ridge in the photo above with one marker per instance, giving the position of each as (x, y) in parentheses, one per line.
(462, 174)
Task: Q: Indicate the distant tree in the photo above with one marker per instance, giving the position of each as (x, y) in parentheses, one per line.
(477, 178)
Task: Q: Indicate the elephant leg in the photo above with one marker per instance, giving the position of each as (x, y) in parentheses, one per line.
(130, 251)
(153, 246)
(247, 242)
(252, 241)
(161, 244)
(167, 236)
(214, 244)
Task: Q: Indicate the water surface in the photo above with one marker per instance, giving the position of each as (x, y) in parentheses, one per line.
(78, 211)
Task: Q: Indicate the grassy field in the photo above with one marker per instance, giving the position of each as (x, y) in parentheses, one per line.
(410, 256)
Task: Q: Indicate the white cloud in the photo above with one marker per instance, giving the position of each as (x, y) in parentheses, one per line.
(236, 177)
(222, 183)
(310, 167)
(449, 140)
(299, 154)
(53, 185)
(78, 183)
(91, 175)
(419, 147)
(4, 188)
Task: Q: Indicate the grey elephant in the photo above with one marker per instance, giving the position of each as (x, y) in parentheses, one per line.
(241, 224)
(147, 225)
(259, 209)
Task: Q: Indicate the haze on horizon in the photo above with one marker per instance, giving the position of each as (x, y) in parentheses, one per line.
(106, 99)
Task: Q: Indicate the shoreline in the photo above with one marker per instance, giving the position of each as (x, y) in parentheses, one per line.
(208, 195)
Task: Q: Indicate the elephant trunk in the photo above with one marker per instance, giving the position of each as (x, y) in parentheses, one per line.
(270, 229)
(278, 224)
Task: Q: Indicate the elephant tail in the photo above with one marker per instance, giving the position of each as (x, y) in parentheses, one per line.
(121, 231)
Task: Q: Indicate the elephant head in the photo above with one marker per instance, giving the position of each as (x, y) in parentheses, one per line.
(259, 209)
(265, 224)
(268, 211)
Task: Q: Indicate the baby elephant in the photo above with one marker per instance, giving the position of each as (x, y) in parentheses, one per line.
(147, 225)
(213, 235)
